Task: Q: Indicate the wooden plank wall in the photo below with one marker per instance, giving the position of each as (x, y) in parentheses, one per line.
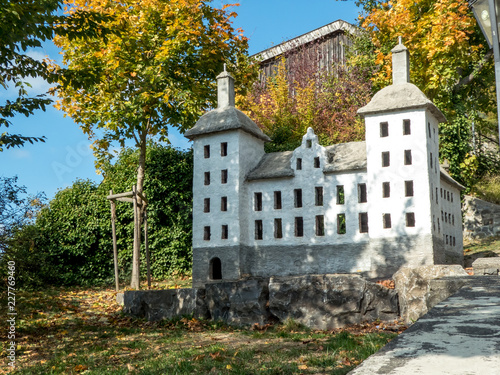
(330, 50)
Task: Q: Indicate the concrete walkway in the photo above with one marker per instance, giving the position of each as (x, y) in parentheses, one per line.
(460, 335)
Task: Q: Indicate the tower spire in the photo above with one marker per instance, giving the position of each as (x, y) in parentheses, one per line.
(225, 89)
(400, 64)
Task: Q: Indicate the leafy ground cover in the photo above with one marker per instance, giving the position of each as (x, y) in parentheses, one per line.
(82, 331)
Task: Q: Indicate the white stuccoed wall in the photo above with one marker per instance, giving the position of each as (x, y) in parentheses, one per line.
(243, 153)
(307, 179)
(397, 173)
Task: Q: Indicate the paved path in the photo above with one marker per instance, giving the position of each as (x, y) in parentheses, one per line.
(460, 335)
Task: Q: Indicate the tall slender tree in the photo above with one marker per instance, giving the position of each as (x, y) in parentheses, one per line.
(157, 69)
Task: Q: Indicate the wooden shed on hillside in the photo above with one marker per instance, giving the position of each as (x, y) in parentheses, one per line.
(325, 46)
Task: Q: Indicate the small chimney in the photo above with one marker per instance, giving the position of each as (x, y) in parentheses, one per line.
(400, 64)
(225, 89)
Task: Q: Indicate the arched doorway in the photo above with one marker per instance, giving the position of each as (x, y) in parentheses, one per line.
(215, 269)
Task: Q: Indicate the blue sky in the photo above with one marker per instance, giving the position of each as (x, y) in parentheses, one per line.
(66, 156)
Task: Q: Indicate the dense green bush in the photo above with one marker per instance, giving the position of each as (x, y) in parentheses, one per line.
(70, 243)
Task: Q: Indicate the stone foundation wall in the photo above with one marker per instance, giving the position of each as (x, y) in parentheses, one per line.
(317, 301)
(481, 218)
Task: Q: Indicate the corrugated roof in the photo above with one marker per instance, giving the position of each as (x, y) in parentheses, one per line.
(306, 38)
(223, 119)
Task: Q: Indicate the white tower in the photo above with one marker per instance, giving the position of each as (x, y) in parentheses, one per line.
(402, 170)
(226, 145)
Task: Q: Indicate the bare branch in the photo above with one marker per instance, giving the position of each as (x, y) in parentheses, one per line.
(469, 78)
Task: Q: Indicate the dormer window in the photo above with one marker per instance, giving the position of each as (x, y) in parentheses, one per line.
(308, 143)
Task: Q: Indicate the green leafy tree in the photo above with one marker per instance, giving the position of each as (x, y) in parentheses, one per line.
(70, 242)
(450, 62)
(158, 69)
(25, 24)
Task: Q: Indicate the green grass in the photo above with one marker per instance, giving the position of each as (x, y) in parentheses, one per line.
(82, 331)
(488, 189)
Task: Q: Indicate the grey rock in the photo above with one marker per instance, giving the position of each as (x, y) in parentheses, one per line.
(413, 286)
(155, 305)
(330, 301)
(240, 303)
(486, 266)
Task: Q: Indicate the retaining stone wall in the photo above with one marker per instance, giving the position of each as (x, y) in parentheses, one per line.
(481, 218)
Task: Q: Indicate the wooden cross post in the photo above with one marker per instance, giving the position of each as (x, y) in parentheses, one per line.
(115, 250)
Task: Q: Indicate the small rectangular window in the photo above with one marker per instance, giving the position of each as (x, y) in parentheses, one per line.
(297, 197)
(223, 149)
(442, 216)
(224, 232)
(340, 194)
(454, 242)
(223, 204)
(384, 129)
(299, 164)
(320, 225)
(406, 127)
(207, 178)
(448, 195)
(434, 222)
(341, 227)
(363, 222)
(206, 205)
(362, 193)
(386, 221)
(277, 200)
(223, 176)
(452, 197)
(258, 230)
(408, 160)
(258, 201)
(447, 239)
(206, 233)
(441, 192)
(432, 165)
(318, 196)
(410, 219)
(206, 151)
(437, 199)
(386, 189)
(439, 226)
(278, 228)
(445, 217)
(452, 219)
(299, 227)
(309, 143)
(408, 188)
(386, 161)
(429, 128)
(316, 162)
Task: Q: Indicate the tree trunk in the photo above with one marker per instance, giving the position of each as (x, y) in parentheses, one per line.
(136, 258)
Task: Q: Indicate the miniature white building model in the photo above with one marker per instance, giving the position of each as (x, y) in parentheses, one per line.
(361, 207)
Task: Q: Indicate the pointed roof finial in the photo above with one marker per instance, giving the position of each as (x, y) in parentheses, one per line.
(225, 89)
(400, 64)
